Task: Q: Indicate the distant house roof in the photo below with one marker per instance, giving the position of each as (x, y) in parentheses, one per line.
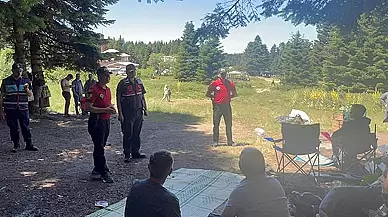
(111, 51)
(116, 64)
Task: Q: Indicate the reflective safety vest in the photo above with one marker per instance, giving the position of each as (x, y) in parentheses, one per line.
(15, 96)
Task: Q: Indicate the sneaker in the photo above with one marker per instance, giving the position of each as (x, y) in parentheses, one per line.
(232, 144)
(139, 156)
(106, 178)
(215, 144)
(31, 148)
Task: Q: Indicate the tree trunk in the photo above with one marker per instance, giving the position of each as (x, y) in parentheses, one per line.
(19, 55)
(36, 67)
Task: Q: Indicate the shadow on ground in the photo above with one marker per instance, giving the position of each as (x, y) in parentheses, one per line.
(55, 181)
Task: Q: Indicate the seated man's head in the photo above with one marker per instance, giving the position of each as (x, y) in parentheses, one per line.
(252, 162)
(160, 165)
(357, 111)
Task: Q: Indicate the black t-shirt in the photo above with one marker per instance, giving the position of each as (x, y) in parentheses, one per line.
(150, 199)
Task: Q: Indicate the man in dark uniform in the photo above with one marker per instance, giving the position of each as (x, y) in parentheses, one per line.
(100, 107)
(221, 91)
(131, 106)
(15, 91)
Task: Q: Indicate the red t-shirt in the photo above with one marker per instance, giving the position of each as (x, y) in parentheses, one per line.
(100, 97)
(221, 93)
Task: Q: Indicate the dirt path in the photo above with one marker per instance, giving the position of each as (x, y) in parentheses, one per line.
(55, 181)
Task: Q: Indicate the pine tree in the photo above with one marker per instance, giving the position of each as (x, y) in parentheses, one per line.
(296, 64)
(274, 59)
(257, 57)
(211, 58)
(187, 59)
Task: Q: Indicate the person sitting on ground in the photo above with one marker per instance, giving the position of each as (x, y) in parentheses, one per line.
(357, 125)
(257, 194)
(149, 198)
(355, 201)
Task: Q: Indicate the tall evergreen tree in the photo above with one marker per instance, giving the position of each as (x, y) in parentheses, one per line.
(296, 63)
(187, 59)
(257, 57)
(211, 57)
(274, 59)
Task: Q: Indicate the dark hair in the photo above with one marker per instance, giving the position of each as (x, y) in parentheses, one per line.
(16, 66)
(252, 162)
(160, 164)
(130, 67)
(102, 70)
(223, 74)
(70, 76)
(357, 111)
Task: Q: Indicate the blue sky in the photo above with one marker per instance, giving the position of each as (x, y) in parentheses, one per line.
(137, 21)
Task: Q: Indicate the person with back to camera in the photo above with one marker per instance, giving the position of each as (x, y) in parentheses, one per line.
(149, 198)
(257, 195)
(221, 91)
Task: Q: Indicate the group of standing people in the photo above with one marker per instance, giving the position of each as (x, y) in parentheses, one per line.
(131, 106)
(78, 90)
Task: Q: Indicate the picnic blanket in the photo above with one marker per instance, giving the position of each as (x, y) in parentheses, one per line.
(199, 192)
(323, 161)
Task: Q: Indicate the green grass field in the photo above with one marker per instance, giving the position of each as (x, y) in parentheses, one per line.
(257, 105)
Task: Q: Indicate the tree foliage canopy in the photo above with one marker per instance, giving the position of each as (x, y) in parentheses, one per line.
(238, 13)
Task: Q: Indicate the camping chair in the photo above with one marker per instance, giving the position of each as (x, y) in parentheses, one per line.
(298, 140)
(358, 148)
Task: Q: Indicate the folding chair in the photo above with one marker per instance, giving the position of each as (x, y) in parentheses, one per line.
(358, 148)
(298, 140)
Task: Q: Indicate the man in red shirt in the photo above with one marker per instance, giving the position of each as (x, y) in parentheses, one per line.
(221, 92)
(99, 105)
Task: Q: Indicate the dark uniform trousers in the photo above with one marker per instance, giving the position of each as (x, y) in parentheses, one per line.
(131, 128)
(14, 118)
(99, 131)
(222, 110)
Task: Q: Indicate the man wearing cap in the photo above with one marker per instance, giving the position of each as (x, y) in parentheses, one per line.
(99, 105)
(221, 91)
(131, 106)
(15, 91)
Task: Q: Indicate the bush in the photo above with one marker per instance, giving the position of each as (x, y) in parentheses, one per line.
(5, 62)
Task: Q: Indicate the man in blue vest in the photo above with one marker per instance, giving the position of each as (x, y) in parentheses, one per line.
(15, 91)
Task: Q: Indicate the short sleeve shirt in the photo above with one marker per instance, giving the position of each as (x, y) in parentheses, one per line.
(100, 97)
(222, 89)
(150, 199)
(131, 94)
(261, 196)
(65, 84)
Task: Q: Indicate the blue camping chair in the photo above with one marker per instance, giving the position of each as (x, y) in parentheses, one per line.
(298, 140)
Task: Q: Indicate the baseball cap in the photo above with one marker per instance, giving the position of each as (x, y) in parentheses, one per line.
(103, 70)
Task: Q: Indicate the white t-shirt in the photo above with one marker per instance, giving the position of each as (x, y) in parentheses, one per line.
(65, 84)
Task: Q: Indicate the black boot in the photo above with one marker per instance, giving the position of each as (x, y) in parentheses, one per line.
(30, 147)
(16, 146)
